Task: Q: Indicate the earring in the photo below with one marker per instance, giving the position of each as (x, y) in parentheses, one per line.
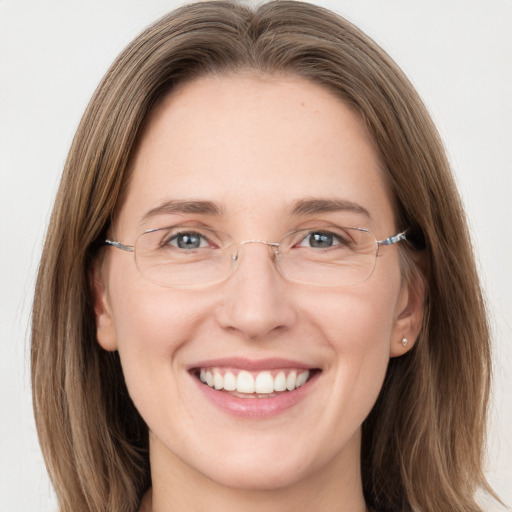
(404, 341)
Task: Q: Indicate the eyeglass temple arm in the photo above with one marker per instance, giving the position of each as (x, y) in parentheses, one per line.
(119, 245)
(394, 239)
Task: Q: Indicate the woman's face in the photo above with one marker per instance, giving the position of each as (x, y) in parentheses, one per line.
(255, 158)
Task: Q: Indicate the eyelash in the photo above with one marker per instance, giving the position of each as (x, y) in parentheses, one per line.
(337, 240)
(191, 234)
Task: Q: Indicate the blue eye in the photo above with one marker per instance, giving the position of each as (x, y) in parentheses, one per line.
(188, 240)
(320, 240)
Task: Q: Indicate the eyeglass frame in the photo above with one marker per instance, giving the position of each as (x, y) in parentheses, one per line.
(391, 240)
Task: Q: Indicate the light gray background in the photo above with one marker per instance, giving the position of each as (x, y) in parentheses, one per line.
(458, 53)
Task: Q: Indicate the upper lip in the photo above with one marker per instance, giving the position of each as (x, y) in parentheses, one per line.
(252, 364)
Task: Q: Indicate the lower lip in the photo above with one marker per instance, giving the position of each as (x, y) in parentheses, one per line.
(256, 407)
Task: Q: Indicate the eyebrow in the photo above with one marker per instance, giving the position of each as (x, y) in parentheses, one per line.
(177, 206)
(321, 205)
(302, 207)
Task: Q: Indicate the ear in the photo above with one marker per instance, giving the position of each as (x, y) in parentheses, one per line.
(409, 315)
(105, 327)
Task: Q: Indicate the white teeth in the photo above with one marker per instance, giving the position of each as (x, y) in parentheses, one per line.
(229, 382)
(218, 381)
(261, 384)
(245, 382)
(264, 383)
(291, 380)
(302, 378)
(280, 382)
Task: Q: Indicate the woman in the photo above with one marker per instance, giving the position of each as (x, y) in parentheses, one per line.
(257, 290)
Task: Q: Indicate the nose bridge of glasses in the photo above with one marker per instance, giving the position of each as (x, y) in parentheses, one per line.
(255, 241)
(273, 245)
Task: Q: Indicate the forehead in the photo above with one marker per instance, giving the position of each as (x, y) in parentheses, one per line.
(253, 145)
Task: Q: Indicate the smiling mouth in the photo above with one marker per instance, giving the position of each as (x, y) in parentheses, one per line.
(246, 384)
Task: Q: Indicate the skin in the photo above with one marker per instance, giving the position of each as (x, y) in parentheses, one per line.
(254, 145)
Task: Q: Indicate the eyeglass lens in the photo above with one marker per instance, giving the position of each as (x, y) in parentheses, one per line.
(182, 256)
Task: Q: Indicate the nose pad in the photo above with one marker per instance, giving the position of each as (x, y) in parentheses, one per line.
(256, 298)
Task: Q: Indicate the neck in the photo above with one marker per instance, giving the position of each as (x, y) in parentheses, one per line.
(176, 487)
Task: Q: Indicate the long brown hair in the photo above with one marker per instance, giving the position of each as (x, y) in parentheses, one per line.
(423, 441)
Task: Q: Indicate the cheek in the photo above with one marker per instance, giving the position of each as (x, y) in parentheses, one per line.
(148, 318)
(152, 323)
(357, 326)
(143, 324)
(356, 321)
(360, 341)
(358, 338)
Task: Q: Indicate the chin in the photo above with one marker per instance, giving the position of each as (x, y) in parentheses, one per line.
(261, 476)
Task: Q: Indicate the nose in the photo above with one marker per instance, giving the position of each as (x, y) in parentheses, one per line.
(256, 300)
